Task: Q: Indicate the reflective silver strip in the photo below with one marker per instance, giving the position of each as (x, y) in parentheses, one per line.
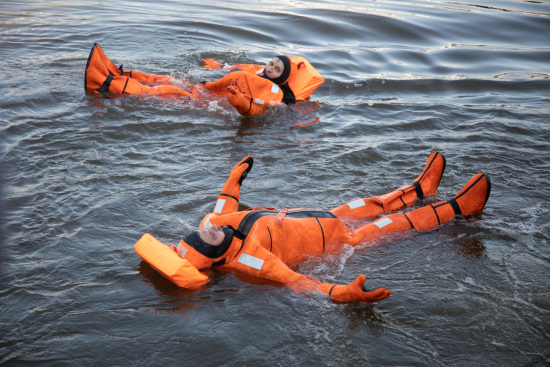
(182, 250)
(258, 101)
(383, 222)
(219, 205)
(251, 261)
(356, 203)
(275, 88)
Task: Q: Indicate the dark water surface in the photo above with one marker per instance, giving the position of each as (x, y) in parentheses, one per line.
(86, 175)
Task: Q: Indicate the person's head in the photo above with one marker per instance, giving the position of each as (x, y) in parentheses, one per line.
(274, 68)
(212, 235)
(212, 242)
(279, 69)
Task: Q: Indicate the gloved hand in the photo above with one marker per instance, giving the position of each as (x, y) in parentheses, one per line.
(244, 104)
(242, 168)
(355, 291)
(240, 102)
(211, 64)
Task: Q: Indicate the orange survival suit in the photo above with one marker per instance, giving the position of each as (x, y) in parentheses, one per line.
(245, 86)
(263, 242)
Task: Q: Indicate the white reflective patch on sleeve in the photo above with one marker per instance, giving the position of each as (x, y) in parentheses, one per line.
(356, 203)
(219, 205)
(383, 222)
(182, 250)
(251, 261)
(258, 101)
(207, 224)
(275, 88)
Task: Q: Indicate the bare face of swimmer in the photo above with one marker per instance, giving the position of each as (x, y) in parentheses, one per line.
(212, 235)
(274, 68)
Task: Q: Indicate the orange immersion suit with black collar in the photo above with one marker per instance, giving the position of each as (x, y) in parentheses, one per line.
(244, 87)
(269, 240)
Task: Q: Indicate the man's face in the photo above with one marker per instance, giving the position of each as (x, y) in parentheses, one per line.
(274, 68)
(212, 235)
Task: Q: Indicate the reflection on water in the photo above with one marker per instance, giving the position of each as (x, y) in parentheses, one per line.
(86, 175)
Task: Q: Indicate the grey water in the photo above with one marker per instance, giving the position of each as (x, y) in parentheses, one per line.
(84, 176)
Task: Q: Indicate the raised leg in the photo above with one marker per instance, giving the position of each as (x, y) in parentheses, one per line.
(425, 184)
(98, 77)
(118, 70)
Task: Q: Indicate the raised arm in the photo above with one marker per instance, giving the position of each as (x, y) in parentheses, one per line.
(257, 261)
(228, 200)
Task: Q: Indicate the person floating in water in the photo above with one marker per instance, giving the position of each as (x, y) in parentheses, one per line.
(249, 88)
(264, 242)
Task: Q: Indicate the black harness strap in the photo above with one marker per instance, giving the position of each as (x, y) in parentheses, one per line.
(251, 98)
(418, 189)
(270, 239)
(322, 233)
(330, 292)
(455, 206)
(230, 196)
(436, 215)
(106, 84)
(125, 84)
(218, 263)
(406, 216)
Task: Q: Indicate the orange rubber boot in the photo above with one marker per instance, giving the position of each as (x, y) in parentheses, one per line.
(473, 196)
(431, 175)
(111, 67)
(425, 184)
(470, 200)
(96, 71)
